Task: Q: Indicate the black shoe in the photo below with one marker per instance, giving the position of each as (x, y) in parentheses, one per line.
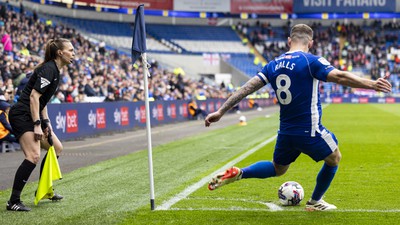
(17, 207)
(56, 197)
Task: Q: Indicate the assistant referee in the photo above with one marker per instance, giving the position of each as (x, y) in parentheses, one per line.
(29, 118)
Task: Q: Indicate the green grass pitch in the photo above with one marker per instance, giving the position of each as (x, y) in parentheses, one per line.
(116, 191)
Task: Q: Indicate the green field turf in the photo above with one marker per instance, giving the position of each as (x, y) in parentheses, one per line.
(365, 189)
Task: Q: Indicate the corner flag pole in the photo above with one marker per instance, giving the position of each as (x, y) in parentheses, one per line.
(139, 49)
(148, 128)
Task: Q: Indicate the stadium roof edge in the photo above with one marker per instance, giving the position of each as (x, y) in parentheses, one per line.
(210, 15)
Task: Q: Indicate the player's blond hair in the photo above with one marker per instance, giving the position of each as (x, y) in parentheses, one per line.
(301, 33)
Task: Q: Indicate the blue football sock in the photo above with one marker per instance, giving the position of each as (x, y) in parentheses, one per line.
(262, 169)
(324, 179)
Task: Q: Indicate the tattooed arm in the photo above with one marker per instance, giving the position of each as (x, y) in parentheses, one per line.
(251, 86)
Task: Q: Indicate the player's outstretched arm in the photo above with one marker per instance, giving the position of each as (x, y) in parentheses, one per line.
(249, 87)
(351, 80)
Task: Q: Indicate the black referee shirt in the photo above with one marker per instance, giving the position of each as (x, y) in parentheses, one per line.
(44, 80)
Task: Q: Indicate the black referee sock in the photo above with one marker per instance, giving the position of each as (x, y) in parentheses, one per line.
(42, 165)
(21, 177)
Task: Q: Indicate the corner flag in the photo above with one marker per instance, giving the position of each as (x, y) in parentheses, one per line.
(51, 171)
(139, 49)
(139, 34)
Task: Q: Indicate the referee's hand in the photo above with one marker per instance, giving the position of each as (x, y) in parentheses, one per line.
(38, 133)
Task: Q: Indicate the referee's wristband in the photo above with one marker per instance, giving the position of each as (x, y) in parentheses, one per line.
(46, 121)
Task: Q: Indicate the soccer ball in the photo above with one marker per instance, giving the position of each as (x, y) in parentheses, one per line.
(290, 193)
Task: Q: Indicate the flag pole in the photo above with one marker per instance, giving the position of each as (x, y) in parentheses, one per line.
(139, 49)
(148, 127)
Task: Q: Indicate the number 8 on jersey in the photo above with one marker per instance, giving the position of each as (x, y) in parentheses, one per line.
(285, 98)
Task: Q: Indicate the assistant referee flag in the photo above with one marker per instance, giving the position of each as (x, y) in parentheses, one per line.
(51, 171)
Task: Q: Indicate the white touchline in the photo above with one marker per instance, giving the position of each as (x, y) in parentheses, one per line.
(189, 190)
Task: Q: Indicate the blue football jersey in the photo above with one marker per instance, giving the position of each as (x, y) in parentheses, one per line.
(295, 78)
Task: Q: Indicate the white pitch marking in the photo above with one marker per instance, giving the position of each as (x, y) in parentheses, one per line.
(369, 210)
(273, 206)
(219, 209)
(270, 205)
(287, 209)
(189, 190)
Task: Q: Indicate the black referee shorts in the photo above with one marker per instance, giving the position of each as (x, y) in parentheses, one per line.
(20, 119)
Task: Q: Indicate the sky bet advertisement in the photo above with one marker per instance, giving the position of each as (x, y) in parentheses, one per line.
(343, 6)
(78, 120)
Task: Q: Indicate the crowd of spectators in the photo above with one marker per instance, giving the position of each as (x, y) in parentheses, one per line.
(97, 72)
(107, 74)
(362, 48)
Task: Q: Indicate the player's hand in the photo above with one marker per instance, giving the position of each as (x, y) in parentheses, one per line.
(383, 85)
(212, 118)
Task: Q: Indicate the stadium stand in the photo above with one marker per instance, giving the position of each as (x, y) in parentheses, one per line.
(368, 49)
(206, 39)
(99, 72)
(118, 35)
(187, 39)
(199, 39)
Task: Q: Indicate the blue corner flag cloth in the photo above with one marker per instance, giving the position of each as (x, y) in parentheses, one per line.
(139, 34)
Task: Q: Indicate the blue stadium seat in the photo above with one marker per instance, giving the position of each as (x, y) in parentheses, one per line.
(189, 32)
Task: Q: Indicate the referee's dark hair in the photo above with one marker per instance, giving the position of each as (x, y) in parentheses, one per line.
(52, 46)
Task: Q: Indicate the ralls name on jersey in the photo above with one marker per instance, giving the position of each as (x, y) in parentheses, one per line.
(285, 64)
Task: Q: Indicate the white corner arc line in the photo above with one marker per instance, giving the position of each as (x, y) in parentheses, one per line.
(192, 188)
(273, 207)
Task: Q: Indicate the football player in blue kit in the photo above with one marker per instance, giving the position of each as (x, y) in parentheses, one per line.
(295, 77)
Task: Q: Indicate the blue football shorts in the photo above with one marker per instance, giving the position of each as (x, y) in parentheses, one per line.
(289, 147)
